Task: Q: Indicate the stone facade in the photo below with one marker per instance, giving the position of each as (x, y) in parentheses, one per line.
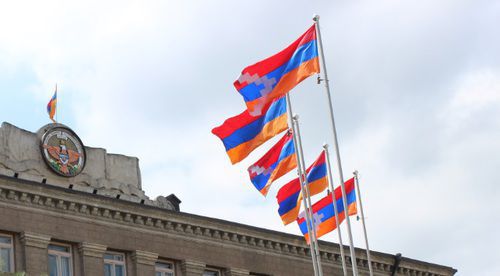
(112, 175)
(37, 213)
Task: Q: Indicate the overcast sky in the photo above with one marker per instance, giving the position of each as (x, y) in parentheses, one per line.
(416, 90)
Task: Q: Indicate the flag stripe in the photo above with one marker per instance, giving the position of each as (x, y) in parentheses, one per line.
(287, 203)
(289, 189)
(294, 186)
(244, 133)
(289, 196)
(306, 52)
(279, 160)
(273, 77)
(263, 67)
(330, 224)
(269, 130)
(286, 165)
(326, 209)
(261, 180)
(318, 172)
(291, 215)
(253, 129)
(233, 124)
(287, 82)
(51, 106)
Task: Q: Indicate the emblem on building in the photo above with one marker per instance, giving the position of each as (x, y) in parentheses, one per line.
(63, 151)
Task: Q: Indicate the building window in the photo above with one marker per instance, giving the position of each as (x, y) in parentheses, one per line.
(211, 272)
(60, 263)
(114, 264)
(164, 269)
(6, 254)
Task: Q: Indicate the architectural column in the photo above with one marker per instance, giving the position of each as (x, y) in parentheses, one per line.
(192, 268)
(144, 262)
(35, 253)
(236, 272)
(92, 258)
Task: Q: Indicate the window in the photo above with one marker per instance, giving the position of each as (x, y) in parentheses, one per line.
(164, 269)
(211, 272)
(6, 254)
(60, 263)
(114, 264)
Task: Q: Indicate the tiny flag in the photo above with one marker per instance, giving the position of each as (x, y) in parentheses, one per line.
(273, 77)
(324, 215)
(289, 196)
(243, 133)
(278, 161)
(52, 106)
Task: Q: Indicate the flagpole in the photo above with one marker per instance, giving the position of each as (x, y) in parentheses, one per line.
(336, 145)
(334, 200)
(303, 183)
(57, 104)
(363, 222)
(312, 234)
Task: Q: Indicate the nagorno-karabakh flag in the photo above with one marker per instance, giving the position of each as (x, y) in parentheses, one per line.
(323, 213)
(52, 106)
(289, 196)
(275, 76)
(243, 133)
(278, 161)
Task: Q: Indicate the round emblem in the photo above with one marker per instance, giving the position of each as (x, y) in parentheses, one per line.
(63, 151)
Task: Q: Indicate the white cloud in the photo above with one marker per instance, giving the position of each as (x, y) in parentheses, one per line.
(415, 89)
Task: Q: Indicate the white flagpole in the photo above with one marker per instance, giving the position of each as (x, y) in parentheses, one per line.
(363, 222)
(336, 144)
(312, 234)
(330, 182)
(303, 183)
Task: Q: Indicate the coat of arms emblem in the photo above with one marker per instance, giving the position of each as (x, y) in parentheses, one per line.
(63, 151)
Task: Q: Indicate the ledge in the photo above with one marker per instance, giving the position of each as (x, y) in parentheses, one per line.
(192, 227)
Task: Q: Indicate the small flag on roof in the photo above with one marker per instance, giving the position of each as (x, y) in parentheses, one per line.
(52, 106)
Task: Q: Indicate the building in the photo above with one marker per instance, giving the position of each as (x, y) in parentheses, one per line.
(66, 209)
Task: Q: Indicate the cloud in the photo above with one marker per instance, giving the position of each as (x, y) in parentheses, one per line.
(415, 87)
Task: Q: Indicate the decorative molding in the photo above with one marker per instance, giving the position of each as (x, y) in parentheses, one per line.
(236, 272)
(92, 249)
(189, 267)
(144, 257)
(60, 203)
(35, 240)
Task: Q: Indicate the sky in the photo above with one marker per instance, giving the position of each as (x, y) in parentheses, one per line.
(415, 87)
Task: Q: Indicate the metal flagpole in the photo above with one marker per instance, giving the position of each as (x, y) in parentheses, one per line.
(363, 222)
(303, 182)
(336, 144)
(57, 106)
(312, 234)
(330, 181)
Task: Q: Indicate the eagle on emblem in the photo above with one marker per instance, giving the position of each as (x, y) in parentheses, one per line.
(62, 155)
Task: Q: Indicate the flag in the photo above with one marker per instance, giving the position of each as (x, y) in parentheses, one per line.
(52, 105)
(244, 133)
(273, 77)
(279, 160)
(323, 213)
(289, 196)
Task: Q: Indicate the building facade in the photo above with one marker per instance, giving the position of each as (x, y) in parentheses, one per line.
(100, 222)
